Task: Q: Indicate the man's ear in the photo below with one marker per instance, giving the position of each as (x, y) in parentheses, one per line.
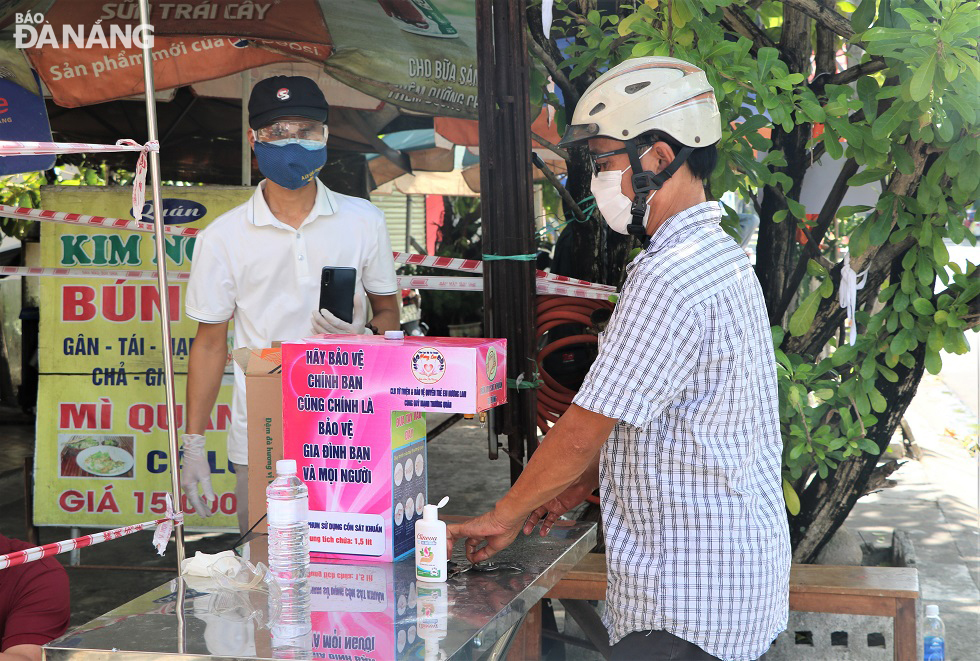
(251, 138)
(663, 155)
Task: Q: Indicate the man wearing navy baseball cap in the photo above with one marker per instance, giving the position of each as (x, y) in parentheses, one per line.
(260, 265)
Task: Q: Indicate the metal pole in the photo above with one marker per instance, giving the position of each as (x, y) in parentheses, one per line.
(246, 148)
(75, 555)
(168, 361)
(408, 223)
(508, 211)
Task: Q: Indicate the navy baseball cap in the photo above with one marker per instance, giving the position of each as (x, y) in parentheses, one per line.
(286, 96)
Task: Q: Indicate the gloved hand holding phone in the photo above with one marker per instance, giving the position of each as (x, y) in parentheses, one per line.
(325, 322)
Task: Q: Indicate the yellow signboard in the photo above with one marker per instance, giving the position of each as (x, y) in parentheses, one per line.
(102, 455)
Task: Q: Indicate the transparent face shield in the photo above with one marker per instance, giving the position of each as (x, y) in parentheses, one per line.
(244, 576)
(304, 130)
(244, 592)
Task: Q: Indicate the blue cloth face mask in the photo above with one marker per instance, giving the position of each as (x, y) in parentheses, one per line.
(291, 163)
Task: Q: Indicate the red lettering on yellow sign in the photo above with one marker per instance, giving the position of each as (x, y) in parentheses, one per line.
(118, 303)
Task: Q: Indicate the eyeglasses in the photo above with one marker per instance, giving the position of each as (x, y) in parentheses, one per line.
(598, 167)
(293, 128)
(594, 159)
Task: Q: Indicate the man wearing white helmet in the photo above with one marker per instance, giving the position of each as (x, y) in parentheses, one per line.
(677, 421)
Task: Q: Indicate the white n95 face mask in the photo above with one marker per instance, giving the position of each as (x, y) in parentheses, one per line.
(615, 207)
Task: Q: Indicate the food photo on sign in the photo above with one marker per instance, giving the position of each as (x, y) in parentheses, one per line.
(96, 455)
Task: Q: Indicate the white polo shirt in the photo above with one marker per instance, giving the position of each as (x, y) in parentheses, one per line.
(265, 274)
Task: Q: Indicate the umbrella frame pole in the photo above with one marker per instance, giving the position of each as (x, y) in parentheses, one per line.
(168, 362)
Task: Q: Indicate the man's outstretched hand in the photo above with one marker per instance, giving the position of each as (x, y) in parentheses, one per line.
(550, 512)
(485, 535)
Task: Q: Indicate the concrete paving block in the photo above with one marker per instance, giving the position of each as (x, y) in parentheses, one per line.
(947, 582)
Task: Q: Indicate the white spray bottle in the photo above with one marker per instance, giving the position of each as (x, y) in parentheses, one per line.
(430, 545)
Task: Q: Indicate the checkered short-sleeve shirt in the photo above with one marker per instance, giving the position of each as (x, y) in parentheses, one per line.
(696, 529)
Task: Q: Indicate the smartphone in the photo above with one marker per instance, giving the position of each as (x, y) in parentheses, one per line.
(337, 291)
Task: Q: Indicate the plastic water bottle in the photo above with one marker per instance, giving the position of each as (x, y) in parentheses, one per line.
(289, 534)
(292, 636)
(934, 635)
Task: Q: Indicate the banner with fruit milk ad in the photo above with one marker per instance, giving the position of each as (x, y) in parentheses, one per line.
(419, 55)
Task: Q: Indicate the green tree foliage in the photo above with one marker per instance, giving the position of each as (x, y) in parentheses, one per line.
(902, 112)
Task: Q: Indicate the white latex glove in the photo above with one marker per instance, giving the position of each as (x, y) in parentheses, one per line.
(195, 471)
(325, 322)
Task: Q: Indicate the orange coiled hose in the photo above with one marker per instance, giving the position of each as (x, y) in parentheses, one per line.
(553, 311)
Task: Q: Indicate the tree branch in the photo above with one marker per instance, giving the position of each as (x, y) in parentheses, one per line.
(550, 145)
(901, 185)
(562, 191)
(794, 40)
(825, 62)
(619, 41)
(878, 260)
(745, 26)
(557, 75)
(849, 75)
(827, 214)
(824, 15)
(879, 476)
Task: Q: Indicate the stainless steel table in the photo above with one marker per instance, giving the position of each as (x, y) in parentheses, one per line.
(359, 611)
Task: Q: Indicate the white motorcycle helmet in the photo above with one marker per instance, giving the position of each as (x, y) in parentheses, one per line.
(642, 95)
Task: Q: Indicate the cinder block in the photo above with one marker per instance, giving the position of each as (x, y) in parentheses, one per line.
(824, 636)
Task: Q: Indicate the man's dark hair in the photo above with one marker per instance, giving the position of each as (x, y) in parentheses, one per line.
(702, 160)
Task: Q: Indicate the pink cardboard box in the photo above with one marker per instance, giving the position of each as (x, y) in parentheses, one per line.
(354, 420)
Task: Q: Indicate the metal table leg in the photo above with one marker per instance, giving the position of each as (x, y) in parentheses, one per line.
(498, 651)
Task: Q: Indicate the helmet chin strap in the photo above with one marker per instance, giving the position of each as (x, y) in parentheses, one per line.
(645, 181)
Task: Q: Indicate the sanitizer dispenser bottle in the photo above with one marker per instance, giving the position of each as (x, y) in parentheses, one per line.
(430, 545)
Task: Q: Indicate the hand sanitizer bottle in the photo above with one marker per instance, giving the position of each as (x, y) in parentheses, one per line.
(430, 545)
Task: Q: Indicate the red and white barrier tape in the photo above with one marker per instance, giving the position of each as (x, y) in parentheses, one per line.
(26, 213)
(160, 538)
(88, 273)
(476, 266)
(139, 178)
(574, 282)
(450, 263)
(447, 283)
(14, 147)
(443, 283)
(559, 289)
(20, 148)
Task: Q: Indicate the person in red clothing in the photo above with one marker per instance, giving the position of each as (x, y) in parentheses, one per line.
(34, 604)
